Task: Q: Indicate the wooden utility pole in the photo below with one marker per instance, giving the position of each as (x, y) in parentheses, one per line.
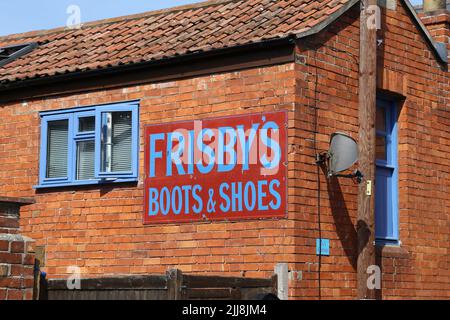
(367, 112)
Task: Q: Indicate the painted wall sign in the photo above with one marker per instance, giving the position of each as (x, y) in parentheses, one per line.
(216, 169)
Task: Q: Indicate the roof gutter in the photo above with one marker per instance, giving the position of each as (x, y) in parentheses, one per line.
(145, 64)
(249, 50)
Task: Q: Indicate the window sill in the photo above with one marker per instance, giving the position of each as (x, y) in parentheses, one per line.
(387, 249)
(384, 164)
(84, 183)
(388, 243)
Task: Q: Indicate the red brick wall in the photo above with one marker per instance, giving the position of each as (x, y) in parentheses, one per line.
(424, 146)
(99, 228)
(438, 24)
(16, 257)
(327, 77)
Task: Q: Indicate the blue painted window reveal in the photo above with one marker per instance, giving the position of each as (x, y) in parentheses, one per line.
(89, 145)
(386, 192)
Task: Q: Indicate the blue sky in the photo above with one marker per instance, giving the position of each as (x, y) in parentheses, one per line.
(27, 15)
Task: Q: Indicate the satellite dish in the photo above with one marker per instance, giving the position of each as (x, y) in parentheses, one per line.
(343, 153)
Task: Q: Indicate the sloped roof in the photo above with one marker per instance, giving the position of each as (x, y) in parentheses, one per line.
(156, 35)
(166, 33)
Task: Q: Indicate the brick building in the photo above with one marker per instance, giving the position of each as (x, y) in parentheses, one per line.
(221, 59)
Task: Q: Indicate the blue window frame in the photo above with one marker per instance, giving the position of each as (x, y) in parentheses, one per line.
(89, 145)
(386, 191)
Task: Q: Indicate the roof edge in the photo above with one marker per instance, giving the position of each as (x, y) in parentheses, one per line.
(332, 18)
(37, 33)
(439, 49)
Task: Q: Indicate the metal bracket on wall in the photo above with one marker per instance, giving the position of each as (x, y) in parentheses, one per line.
(282, 271)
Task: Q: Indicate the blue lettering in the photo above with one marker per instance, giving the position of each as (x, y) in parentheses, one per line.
(174, 156)
(250, 205)
(153, 207)
(246, 144)
(271, 144)
(199, 206)
(153, 154)
(191, 152)
(224, 208)
(226, 148)
(262, 195)
(206, 150)
(177, 197)
(164, 201)
(186, 190)
(236, 195)
(275, 194)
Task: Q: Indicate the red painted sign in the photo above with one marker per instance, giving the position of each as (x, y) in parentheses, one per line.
(226, 168)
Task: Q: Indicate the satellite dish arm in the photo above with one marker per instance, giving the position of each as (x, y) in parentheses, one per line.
(357, 174)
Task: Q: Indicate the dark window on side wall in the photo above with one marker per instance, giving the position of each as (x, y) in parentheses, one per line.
(386, 193)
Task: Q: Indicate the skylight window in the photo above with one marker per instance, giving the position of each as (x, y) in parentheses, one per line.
(11, 53)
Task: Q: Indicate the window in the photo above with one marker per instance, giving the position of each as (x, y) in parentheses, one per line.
(89, 145)
(386, 192)
(11, 53)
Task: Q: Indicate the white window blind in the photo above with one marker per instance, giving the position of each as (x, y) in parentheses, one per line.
(57, 148)
(121, 142)
(85, 160)
(117, 142)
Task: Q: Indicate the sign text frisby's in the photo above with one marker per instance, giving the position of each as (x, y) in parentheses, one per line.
(216, 169)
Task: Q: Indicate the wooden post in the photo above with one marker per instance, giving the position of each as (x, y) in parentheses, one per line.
(174, 282)
(367, 113)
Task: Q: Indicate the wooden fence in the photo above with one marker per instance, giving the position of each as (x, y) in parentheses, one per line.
(173, 286)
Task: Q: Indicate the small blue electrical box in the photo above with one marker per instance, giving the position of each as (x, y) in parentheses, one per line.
(323, 247)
